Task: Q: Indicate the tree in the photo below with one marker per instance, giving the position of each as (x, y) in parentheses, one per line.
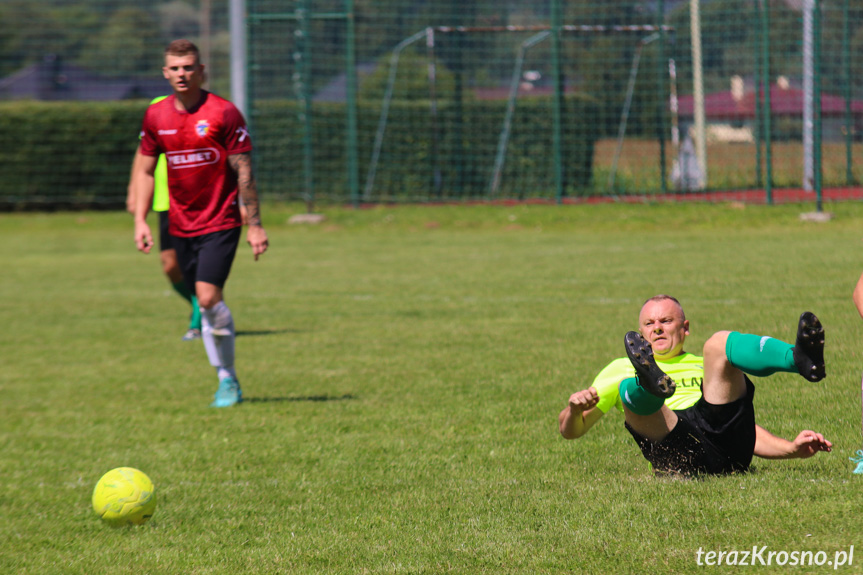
(130, 43)
(179, 19)
(412, 81)
(29, 32)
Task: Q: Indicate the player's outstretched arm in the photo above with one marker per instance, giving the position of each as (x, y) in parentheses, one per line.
(806, 444)
(256, 235)
(580, 415)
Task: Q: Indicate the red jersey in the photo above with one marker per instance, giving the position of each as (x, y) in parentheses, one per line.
(202, 186)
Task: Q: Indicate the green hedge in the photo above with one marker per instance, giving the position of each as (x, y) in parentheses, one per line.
(78, 154)
(67, 153)
(411, 166)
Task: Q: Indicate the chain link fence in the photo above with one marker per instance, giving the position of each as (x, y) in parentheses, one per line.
(358, 102)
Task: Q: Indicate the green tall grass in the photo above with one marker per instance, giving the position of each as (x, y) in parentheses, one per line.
(403, 370)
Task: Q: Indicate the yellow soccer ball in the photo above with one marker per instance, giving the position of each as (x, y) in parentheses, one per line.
(124, 496)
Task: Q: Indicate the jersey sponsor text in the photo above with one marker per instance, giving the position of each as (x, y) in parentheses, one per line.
(192, 158)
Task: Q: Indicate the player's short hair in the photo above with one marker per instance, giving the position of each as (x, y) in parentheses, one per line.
(663, 297)
(183, 48)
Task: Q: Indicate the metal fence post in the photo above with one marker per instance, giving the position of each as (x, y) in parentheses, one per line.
(301, 87)
(816, 103)
(766, 112)
(756, 74)
(660, 95)
(351, 101)
(846, 90)
(557, 74)
(239, 61)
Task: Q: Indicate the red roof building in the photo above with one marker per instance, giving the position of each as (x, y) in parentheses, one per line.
(783, 102)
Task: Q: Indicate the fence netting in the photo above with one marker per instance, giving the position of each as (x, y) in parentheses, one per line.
(402, 101)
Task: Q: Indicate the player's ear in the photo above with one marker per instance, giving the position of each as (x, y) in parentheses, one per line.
(686, 327)
(165, 72)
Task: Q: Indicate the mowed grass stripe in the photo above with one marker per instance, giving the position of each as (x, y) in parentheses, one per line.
(405, 368)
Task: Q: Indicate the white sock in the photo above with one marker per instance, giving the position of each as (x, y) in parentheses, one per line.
(220, 318)
(220, 349)
(223, 372)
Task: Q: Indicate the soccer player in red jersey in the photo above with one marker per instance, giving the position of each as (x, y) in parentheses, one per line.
(208, 148)
(167, 253)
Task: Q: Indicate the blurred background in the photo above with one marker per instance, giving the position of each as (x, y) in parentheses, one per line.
(361, 101)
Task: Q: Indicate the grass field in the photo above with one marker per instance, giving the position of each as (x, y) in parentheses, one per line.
(404, 369)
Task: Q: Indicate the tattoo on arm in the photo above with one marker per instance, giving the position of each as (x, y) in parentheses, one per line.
(242, 165)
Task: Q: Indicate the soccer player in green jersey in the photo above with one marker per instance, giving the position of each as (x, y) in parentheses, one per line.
(167, 253)
(689, 414)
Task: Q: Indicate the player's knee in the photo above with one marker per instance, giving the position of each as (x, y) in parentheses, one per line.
(715, 344)
(208, 298)
(170, 267)
(208, 294)
(206, 301)
(173, 273)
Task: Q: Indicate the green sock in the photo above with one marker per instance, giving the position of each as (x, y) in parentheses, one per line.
(195, 320)
(182, 289)
(637, 399)
(759, 355)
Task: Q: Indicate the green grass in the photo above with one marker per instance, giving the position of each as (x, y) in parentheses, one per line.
(404, 369)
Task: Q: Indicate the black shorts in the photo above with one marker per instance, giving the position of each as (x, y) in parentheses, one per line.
(708, 438)
(207, 258)
(165, 239)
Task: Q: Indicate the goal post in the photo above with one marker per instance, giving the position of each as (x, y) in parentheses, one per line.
(520, 85)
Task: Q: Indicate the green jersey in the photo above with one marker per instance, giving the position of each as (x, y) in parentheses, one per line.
(160, 187)
(686, 370)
